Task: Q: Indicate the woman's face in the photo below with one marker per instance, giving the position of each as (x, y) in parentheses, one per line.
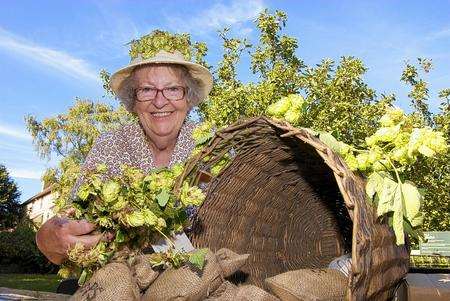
(161, 118)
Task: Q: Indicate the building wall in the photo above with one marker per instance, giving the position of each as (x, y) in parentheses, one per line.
(41, 209)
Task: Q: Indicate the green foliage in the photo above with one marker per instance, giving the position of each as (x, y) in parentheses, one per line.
(331, 97)
(386, 155)
(419, 93)
(334, 98)
(10, 210)
(273, 60)
(31, 282)
(133, 206)
(18, 248)
(175, 259)
(429, 262)
(198, 258)
(105, 77)
(71, 136)
(337, 98)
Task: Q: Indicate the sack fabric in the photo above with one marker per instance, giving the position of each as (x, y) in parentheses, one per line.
(230, 292)
(190, 284)
(309, 285)
(114, 281)
(143, 272)
(136, 280)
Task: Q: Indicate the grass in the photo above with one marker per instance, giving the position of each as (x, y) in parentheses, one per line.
(33, 282)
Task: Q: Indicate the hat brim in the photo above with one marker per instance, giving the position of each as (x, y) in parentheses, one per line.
(197, 71)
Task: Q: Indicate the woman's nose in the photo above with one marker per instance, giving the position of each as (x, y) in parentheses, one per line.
(160, 101)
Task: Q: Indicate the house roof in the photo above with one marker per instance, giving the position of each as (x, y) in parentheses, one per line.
(44, 192)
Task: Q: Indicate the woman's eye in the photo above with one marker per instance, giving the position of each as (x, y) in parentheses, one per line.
(173, 89)
(147, 89)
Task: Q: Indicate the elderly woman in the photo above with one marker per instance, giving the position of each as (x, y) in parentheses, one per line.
(160, 90)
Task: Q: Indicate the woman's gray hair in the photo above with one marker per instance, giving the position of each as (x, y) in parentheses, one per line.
(127, 91)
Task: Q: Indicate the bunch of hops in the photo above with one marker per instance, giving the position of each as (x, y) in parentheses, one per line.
(397, 142)
(291, 108)
(134, 207)
(149, 45)
(395, 145)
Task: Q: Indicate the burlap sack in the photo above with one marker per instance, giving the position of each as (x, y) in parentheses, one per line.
(309, 285)
(143, 272)
(112, 282)
(226, 291)
(230, 292)
(190, 284)
(253, 293)
(230, 261)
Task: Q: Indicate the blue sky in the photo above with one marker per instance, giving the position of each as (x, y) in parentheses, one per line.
(52, 51)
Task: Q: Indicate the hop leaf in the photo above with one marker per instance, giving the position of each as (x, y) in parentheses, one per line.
(412, 201)
(384, 134)
(337, 146)
(197, 258)
(163, 198)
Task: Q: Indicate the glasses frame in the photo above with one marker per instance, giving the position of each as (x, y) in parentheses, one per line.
(162, 92)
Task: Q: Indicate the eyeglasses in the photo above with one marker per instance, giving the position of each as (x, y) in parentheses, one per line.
(149, 93)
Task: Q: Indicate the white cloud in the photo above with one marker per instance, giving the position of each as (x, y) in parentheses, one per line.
(54, 59)
(440, 34)
(25, 173)
(15, 133)
(218, 16)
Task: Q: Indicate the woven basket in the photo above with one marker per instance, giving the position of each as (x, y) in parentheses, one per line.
(292, 203)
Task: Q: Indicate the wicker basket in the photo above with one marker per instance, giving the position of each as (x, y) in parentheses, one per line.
(292, 203)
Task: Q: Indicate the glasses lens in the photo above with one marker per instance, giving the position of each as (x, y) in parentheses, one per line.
(173, 93)
(146, 93)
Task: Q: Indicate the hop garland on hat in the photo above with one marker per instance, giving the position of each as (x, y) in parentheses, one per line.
(149, 45)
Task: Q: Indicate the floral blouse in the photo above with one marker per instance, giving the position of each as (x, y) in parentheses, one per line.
(129, 146)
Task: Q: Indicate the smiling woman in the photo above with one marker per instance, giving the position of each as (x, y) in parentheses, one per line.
(160, 89)
(157, 94)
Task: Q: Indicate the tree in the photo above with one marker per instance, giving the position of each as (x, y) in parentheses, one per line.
(70, 136)
(10, 209)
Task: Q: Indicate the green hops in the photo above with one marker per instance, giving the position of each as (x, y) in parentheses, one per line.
(203, 133)
(394, 146)
(191, 195)
(291, 108)
(149, 45)
(279, 108)
(134, 206)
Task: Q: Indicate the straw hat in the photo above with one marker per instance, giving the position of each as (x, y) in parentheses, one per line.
(197, 71)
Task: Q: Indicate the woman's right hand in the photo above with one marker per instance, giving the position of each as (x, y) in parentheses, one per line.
(58, 234)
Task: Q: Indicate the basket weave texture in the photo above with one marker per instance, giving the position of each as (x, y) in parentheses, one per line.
(291, 203)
